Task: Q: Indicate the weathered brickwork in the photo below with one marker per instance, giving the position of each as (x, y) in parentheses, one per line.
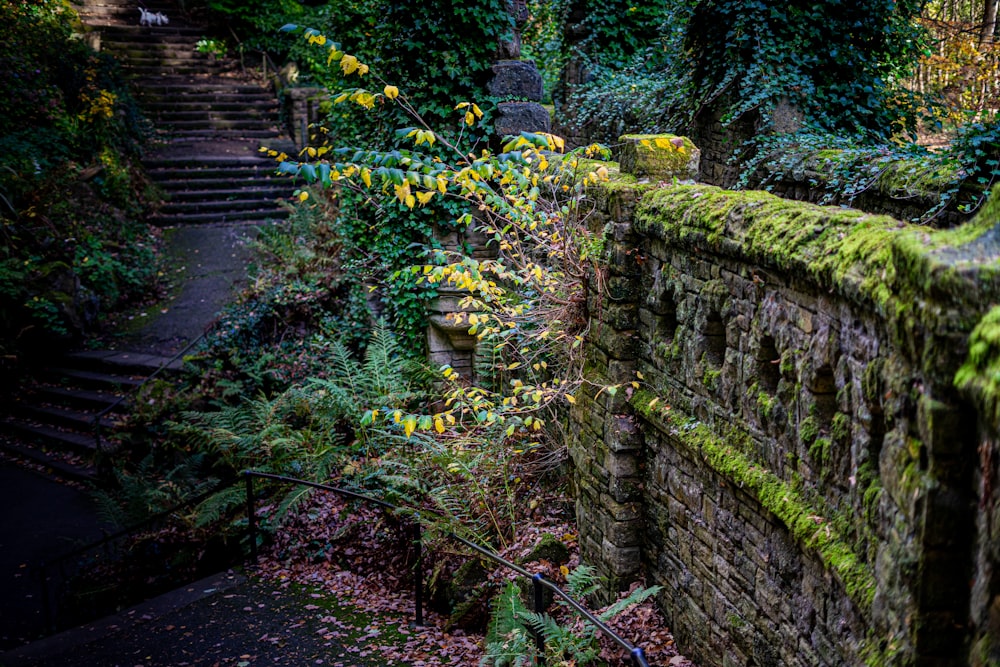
(786, 451)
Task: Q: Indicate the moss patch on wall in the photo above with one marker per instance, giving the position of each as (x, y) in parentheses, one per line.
(813, 531)
(979, 376)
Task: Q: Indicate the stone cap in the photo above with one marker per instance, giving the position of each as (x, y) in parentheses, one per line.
(658, 157)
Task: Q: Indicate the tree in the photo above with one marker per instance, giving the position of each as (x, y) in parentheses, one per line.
(835, 60)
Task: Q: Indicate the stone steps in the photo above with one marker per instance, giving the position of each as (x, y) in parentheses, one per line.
(63, 417)
(210, 119)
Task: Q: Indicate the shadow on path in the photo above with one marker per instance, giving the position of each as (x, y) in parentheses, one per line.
(41, 518)
(222, 620)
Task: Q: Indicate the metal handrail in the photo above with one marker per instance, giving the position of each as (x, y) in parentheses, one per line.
(538, 581)
(95, 422)
(44, 567)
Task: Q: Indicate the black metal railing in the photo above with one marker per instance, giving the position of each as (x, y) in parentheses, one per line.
(51, 599)
(95, 421)
(538, 581)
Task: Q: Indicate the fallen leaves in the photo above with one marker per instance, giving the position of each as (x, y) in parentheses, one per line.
(361, 559)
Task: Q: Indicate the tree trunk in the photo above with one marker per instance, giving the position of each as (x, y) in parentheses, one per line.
(989, 22)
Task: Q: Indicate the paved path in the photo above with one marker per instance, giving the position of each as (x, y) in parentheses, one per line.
(222, 620)
(210, 264)
(41, 518)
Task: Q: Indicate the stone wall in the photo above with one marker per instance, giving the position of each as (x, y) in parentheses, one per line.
(779, 439)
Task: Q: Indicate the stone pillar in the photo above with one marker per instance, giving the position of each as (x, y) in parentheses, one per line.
(303, 111)
(518, 84)
(449, 342)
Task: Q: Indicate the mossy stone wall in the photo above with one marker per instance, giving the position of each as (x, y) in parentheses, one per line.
(795, 462)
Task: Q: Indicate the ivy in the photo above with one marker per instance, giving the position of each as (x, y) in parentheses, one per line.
(834, 61)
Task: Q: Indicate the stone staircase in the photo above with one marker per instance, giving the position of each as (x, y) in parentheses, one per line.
(211, 118)
(63, 417)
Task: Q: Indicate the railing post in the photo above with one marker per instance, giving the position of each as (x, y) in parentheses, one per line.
(251, 518)
(638, 657)
(538, 600)
(418, 573)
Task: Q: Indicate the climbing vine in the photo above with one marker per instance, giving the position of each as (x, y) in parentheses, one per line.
(528, 199)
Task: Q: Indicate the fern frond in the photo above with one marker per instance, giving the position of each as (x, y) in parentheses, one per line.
(635, 597)
(218, 505)
(582, 581)
(508, 642)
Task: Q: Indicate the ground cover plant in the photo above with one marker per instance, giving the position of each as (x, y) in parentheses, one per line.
(71, 196)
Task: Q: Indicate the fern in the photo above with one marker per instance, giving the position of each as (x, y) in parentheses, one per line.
(512, 625)
(508, 642)
(218, 506)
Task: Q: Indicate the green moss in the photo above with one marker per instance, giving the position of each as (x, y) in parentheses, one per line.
(766, 404)
(979, 376)
(808, 430)
(787, 366)
(657, 156)
(727, 455)
(870, 258)
(819, 451)
(711, 379)
(840, 429)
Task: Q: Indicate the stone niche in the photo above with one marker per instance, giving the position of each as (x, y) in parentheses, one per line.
(808, 465)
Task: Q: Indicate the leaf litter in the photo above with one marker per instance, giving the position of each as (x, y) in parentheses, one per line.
(356, 563)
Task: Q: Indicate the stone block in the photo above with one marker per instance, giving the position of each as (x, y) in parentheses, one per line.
(512, 118)
(659, 157)
(621, 561)
(516, 80)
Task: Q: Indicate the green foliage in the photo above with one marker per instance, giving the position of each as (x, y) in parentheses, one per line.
(572, 642)
(145, 491)
(508, 640)
(835, 62)
(958, 179)
(71, 195)
(285, 435)
(440, 53)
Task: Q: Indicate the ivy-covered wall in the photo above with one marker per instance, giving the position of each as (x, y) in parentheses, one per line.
(800, 443)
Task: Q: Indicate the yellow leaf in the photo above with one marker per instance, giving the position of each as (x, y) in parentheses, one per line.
(439, 425)
(366, 177)
(409, 425)
(564, 570)
(476, 110)
(349, 64)
(470, 118)
(362, 69)
(392, 92)
(303, 195)
(571, 399)
(639, 375)
(424, 197)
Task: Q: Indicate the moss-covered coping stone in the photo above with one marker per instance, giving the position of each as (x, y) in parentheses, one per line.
(871, 260)
(658, 157)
